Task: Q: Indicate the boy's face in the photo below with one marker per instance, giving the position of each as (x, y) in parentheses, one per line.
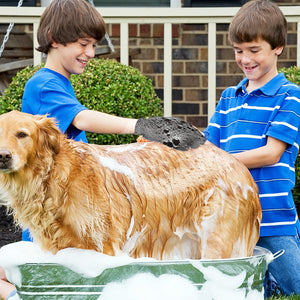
(73, 57)
(258, 61)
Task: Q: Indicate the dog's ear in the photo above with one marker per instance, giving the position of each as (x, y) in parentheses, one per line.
(49, 136)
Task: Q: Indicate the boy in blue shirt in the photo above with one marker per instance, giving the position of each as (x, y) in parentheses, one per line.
(68, 33)
(258, 122)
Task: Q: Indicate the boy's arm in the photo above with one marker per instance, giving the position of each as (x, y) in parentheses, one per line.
(172, 132)
(263, 156)
(6, 288)
(99, 122)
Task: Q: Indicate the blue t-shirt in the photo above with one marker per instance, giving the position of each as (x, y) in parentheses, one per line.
(48, 92)
(243, 122)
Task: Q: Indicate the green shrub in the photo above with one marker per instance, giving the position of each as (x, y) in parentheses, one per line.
(105, 85)
(11, 99)
(293, 75)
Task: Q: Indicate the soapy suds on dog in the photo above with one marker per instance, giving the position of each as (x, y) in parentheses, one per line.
(140, 286)
(88, 263)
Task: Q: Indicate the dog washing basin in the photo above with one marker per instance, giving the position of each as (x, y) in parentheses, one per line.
(84, 274)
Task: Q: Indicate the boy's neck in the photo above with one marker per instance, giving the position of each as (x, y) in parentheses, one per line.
(53, 62)
(256, 84)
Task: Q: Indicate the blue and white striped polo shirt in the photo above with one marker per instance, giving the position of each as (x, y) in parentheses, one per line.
(243, 122)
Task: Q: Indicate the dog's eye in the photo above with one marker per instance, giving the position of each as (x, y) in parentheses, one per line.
(21, 134)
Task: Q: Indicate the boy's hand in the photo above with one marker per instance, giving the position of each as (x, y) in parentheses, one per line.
(172, 132)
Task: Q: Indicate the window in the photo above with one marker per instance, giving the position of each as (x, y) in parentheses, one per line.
(135, 3)
(213, 3)
(15, 3)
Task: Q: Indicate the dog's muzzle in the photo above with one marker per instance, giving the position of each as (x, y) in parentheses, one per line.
(5, 160)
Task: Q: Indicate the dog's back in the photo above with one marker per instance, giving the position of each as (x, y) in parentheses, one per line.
(185, 204)
(143, 199)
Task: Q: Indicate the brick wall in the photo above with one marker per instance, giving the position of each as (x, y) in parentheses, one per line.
(190, 80)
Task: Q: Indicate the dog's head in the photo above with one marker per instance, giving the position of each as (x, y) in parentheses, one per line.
(24, 138)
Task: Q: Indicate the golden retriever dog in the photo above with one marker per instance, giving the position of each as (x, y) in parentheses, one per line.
(143, 199)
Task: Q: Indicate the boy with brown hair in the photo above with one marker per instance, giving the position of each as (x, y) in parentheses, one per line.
(68, 33)
(258, 122)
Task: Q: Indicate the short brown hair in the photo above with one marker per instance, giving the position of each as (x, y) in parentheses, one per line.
(259, 19)
(66, 21)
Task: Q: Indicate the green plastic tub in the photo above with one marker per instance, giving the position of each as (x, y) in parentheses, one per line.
(234, 279)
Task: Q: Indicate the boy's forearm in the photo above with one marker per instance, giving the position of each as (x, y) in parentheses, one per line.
(6, 289)
(263, 156)
(94, 121)
(256, 158)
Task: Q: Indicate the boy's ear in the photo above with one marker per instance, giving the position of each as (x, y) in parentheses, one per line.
(278, 50)
(53, 43)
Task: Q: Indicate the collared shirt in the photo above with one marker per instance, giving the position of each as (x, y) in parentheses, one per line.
(243, 121)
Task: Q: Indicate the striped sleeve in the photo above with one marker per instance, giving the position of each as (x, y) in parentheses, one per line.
(286, 123)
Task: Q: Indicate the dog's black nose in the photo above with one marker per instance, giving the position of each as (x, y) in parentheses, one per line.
(5, 156)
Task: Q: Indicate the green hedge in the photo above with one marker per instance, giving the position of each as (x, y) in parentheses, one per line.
(293, 75)
(106, 85)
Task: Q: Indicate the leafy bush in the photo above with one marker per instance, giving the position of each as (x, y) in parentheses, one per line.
(293, 75)
(105, 85)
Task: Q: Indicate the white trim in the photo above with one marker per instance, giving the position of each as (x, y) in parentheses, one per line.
(212, 65)
(175, 3)
(286, 125)
(279, 223)
(239, 136)
(273, 195)
(168, 70)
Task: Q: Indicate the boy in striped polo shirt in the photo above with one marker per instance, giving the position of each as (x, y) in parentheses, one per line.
(258, 122)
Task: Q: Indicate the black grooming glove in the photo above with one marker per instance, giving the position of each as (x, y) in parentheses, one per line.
(172, 132)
